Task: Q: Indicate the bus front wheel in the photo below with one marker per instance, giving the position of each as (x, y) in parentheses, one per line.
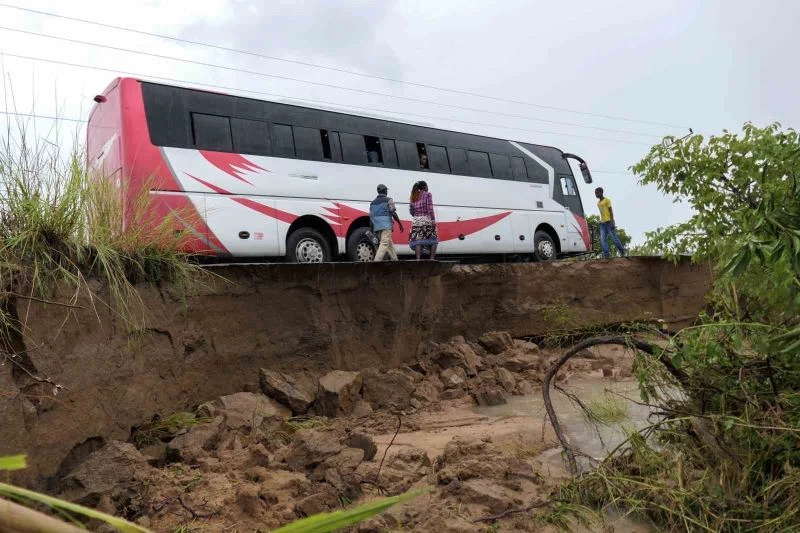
(359, 247)
(544, 247)
(307, 245)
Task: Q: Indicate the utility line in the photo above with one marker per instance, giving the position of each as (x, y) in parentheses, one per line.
(321, 84)
(277, 95)
(346, 71)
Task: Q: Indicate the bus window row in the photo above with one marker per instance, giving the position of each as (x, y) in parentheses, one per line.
(230, 134)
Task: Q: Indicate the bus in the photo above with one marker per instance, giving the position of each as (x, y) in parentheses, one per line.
(246, 178)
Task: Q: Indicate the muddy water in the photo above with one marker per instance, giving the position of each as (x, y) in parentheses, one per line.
(592, 439)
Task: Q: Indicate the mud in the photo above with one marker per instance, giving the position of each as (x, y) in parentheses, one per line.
(248, 466)
(297, 320)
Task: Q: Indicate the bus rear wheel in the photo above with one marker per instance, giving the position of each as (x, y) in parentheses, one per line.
(307, 245)
(544, 247)
(359, 247)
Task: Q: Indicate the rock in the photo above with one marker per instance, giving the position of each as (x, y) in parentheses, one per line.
(625, 373)
(524, 388)
(391, 389)
(400, 471)
(363, 442)
(489, 396)
(426, 392)
(316, 503)
(249, 499)
(496, 342)
(247, 410)
(457, 353)
(486, 493)
(506, 379)
(580, 365)
(607, 371)
(114, 468)
(189, 446)
(527, 346)
(298, 395)
(453, 377)
(259, 455)
(519, 362)
(310, 447)
(361, 409)
(338, 393)
(453, 394)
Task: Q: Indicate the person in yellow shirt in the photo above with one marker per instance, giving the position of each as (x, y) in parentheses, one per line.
(607, 225)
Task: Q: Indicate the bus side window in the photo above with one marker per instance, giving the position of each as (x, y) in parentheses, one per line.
(250, 136)
(336, 146)
(458, 161)
(437, 159)
(479, 164)
(568, 186)
(212, 132)
(374, 152)
(501, 166)
(307, 143)
(283, 140)
(408, 155)
(353, 149)
(389, 153)
(518, 170)
(422, 157)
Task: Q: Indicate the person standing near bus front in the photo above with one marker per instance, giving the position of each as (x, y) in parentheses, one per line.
(423, 225)
(381, 213)
(607, 224)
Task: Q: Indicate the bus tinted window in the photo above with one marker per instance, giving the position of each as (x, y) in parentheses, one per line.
(212, 132)
(250, 136)
(374, 151)
(336, 146)
(307, 143)
(437, 157)
(353, 149)
(408, 155)
(389, 153)
(518, 170)
(501, 166)
(458, 161)
(479, 164)
(283, 140)
(568, 186)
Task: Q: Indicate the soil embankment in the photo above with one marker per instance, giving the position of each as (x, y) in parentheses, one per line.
(300, 320)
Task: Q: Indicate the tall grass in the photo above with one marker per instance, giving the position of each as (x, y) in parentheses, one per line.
(60, 225)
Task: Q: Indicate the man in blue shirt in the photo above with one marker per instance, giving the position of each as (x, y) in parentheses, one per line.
(381, 213)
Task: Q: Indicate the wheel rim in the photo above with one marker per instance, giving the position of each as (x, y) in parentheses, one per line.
(364, 252)
(309, 250)
(546, 249)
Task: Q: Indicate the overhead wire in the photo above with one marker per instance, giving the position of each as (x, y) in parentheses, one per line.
(315, 101)
(321, 84)
(340, 70)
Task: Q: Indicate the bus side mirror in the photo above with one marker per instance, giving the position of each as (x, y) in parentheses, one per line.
(587, 176)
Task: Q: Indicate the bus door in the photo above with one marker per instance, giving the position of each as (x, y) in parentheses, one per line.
(571, 201)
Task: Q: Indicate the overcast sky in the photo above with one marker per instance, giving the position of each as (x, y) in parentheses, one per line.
(707, 65)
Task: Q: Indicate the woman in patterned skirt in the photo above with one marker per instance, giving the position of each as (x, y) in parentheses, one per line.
(423, 224)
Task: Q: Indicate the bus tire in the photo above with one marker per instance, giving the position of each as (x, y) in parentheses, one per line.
(544, 249)
(359, 247)
(307, 245)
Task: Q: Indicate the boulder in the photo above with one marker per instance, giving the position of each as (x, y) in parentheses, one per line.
(247, 410)
(116, 467)
(189, 446)
(338, 393)
(309, 448)
(361, 409)
(248, 496)
(317, 503)
(524, 388)
(426, 392)
(457, 353)
(362, 442)
(519, 361)
(506, 379)
(391, 389)
(453, 377)
(400, 471)
(496, 342)
(485, 492)
(296, 394)
(489, 396)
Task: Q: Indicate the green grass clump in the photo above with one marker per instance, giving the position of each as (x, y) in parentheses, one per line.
(607, 410)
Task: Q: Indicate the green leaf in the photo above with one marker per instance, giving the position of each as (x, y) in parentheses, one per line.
(13, 462)
(324, 522)
(122, 525)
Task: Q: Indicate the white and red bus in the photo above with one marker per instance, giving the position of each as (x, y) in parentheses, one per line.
(265, 179)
